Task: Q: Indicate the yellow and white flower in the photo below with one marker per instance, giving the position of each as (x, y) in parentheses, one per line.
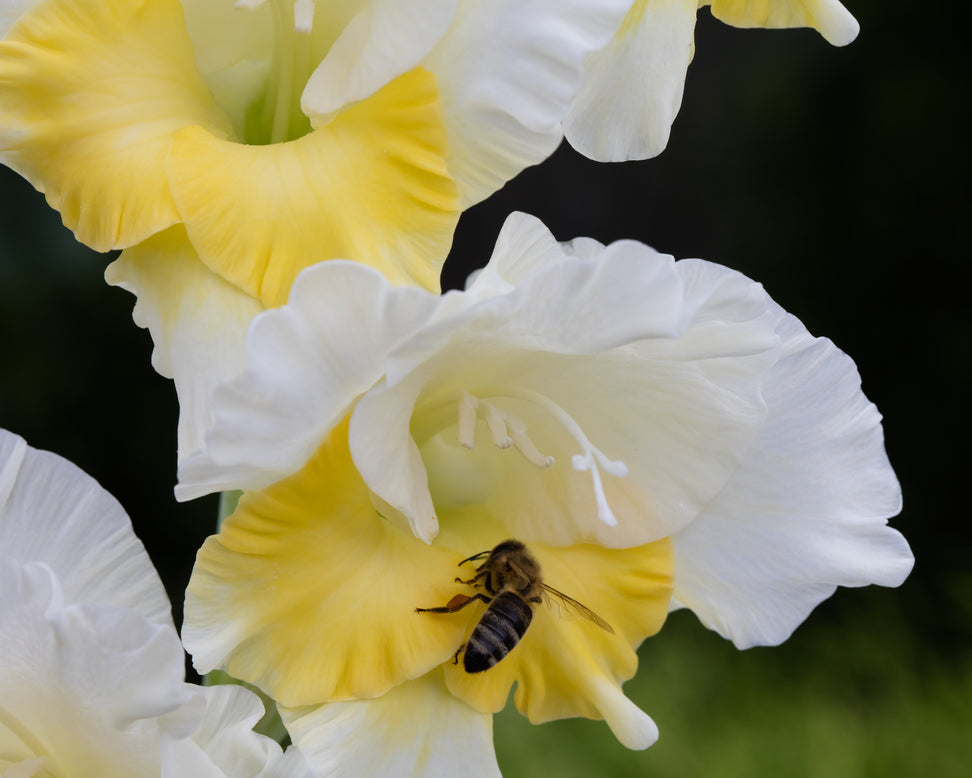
(91, 667)
(226, 147)
(656, 432)
(633, 86)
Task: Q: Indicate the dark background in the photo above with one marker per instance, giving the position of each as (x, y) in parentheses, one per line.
(837, 178)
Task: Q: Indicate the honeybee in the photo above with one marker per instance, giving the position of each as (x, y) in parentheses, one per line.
(513, 583)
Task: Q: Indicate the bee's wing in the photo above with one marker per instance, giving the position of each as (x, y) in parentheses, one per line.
(568, 605)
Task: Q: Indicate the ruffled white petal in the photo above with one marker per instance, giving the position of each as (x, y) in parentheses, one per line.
(92, 687)
(385, 39)
(308, 362)
(507, 71)
(807, 509)
(633, 87)
(54, 513)
(197, 320)
(418, 730)
(224, 744)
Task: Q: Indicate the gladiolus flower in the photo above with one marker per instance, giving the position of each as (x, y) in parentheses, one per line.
(656, 432)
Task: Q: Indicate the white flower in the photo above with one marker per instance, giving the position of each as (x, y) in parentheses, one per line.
(91, 667)
(659, 433)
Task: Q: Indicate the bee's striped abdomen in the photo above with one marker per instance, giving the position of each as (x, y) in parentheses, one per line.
(498, 631)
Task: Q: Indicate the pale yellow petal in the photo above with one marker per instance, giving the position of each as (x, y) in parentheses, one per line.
(828, 17)
(92, 91)
(568, 666)
(198, 323)
(310, 594)
(371, 186)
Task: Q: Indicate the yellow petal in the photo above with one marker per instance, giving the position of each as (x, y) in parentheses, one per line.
(568, 667)
(92, 91)
(371, 186)
(828, 17)
(310, 595)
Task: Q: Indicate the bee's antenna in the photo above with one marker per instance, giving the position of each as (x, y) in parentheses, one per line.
(473, 558)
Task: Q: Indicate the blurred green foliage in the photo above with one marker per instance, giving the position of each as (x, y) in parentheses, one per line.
(839, 179)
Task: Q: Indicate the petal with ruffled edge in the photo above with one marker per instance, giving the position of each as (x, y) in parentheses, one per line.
(307, 591)
(507, 71)
(417, 730)
(307, 367)
(632, 87)
(828, 17)
(197, 320)
(224, 744)
(806, 511)
(53, 512)
(384, 40)
(92, 92)
(92, 688)
(371, 186)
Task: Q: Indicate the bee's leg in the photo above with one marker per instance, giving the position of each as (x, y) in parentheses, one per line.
(458, 602)
(455, 656)
(472, 581)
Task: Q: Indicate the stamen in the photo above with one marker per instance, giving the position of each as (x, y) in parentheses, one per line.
(496, 421)
(467, 419)
(507, 430)
(589, 458)
(526, 447)
(303, 15)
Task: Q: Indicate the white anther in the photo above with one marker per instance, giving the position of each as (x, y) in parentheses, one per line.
(303, 15)
(526, 446)
(496, 421)
(466, 425)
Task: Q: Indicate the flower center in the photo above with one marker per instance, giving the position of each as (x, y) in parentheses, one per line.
(509, 431)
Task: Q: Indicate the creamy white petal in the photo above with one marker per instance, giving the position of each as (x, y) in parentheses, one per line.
(507, 71)
(197, 320)
(633, 87)
(385, 39)
(91, 687)
(224, 745)
(417, 730)
(308, 362)
(807, 509)
(52, 512)
(523, 246)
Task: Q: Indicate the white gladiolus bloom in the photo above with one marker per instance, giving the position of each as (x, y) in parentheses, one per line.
(91, 667)
(660, 434)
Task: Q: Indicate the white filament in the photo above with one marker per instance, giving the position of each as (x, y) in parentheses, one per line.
(507, 430)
